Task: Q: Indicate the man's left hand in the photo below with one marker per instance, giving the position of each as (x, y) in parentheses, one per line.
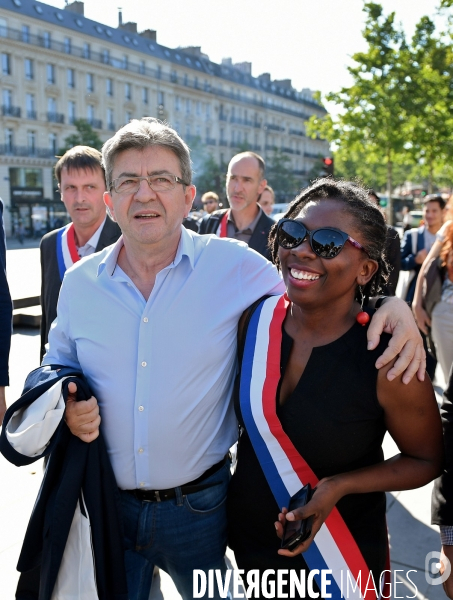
(395, 317)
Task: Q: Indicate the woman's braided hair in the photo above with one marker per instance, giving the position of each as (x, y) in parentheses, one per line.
(367, 216)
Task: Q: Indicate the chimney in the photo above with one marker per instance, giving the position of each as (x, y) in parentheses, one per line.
(120, 16)
(75, 7)
(150, 34)
(129, 26)
(265, 77)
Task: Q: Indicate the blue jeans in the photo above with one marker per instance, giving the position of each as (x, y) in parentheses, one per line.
(178, 535)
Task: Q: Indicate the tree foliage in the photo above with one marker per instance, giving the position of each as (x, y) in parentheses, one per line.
(85, 136)
(396, 118)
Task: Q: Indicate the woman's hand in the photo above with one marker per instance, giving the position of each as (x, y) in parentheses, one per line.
(327, 494)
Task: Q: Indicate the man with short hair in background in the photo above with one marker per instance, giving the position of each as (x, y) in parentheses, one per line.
(210, 202)
(81, 181)
(245, 220)
(267, 200)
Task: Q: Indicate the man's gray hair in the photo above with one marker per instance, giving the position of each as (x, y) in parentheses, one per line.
(140, 134)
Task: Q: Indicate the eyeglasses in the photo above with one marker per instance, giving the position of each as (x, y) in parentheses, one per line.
(164, 182)
(209, 202)
(326, 242)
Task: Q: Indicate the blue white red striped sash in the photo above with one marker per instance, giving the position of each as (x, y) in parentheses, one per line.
(286, 471)
(222, 229)
(66, 249)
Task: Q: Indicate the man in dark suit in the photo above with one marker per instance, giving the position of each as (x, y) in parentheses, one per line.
(245, 220)
(81, 181)
(6, 311)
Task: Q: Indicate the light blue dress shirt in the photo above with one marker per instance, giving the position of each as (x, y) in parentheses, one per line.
(162, 370)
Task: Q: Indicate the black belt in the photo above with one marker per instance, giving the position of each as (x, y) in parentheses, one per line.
(188, 488)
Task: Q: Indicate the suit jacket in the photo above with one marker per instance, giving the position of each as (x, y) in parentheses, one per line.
(75, 469)
(408, 257)
(6, 308)
(259, 239)
(50, 274)
(393, 256)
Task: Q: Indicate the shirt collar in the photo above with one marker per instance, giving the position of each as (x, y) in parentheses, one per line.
(252, 225)
(94, 239)
(185, 248)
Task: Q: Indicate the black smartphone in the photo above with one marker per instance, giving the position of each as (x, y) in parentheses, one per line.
(296, 532)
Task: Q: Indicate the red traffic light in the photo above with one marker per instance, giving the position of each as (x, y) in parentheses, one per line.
(327, 166)
(327, 161)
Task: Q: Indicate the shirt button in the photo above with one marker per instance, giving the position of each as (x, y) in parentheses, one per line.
(143, 364)
(140, 450)
(145, 320)
(141, 408)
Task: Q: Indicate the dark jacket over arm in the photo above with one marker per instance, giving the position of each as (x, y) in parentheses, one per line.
(6, 308)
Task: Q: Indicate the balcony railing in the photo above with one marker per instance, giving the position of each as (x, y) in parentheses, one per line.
(211, 141)
(96, 123)
(222, 117)
(31, 114)
(10, 111)
(53, 117)
(311, 155)
(296, 132)
(111, 126)
(273, 127)
(13, 150)
(223, 143)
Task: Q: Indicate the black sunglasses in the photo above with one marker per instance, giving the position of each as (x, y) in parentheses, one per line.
(326, 242)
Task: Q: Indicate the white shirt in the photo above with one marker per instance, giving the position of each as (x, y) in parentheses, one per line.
(90, 246)
(163, 369)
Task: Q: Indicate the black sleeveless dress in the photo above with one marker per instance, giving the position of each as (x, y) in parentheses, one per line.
(334, 419)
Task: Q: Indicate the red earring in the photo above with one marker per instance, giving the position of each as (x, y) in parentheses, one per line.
(363, 317)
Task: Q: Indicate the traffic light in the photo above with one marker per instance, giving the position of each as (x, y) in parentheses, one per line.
(327, 165)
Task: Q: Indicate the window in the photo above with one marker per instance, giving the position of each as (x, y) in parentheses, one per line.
(71, 78)
(160, 98)
(195, 83)
(30, 106)
(6, 63)
(110, 123)
(128, 116)
(7, 97)
(50, 70)
(67, 45)
(90, 112)
(159, 72)
(188, 106)
(3, 28)
(109, 86)
(90, 82)
(9, 141)
(47, 39)
(29, 70)
(145, 95)
(177, 103)
(142, 68)
(106, 57)
(208, 111)
(198, 107)
(186, 79)
(53, 143)
(128, 91)
(125, 61)
(71, 111)
(25, 34)
(86, 50)
(31, 141)
(173, 76)
(198, 131)
(188, 133)
(51, 106)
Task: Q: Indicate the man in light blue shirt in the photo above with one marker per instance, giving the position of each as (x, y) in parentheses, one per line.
(163, 378)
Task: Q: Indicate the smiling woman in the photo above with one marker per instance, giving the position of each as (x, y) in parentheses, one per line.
(314, 409)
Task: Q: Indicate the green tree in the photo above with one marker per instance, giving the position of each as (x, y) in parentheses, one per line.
(85, 136)
(279, 173)
(372, 122)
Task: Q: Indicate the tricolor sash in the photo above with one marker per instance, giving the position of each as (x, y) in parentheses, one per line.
(284, 468)
(223, 226)
(66, 249)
